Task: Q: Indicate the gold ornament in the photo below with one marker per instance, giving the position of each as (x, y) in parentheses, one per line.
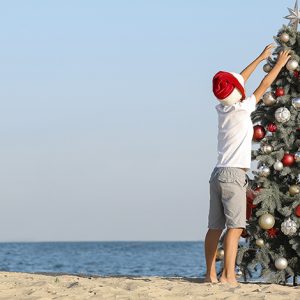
(259, 242)
(266, 221)
(220, 254)
(294, 189)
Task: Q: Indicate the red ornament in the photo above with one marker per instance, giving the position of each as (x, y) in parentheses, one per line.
(279, 92)
(297, 210)
(296, 74)
(250, 196)
(259, 133)
(272, 127)
(273, 232)
(288, 159)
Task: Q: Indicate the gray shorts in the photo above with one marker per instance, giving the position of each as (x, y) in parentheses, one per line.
(227, 198)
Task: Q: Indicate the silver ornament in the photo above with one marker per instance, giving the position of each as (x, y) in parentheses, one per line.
(294, 16)
(267, 68)
(220, 253)
(259, 242)
(284, 37)
(282, 114)
(266, 148)
(278, 166)
(294, 189)
(264, 171)
(289, 227)
(281, 263)
(266, 221)
(296, 103)
(292, 65)
(297, 157)
(269, 99)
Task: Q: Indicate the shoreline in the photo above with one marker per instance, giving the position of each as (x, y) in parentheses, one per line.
(21, 285)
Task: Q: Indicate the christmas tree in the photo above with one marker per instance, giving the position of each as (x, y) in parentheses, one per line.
(272, 237)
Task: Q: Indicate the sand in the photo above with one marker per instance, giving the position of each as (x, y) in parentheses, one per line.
(40, 286)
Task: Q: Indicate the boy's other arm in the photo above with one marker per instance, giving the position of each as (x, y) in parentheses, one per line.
(268, 79)
(246, 73)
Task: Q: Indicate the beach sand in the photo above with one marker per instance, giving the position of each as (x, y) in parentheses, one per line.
(39, 286)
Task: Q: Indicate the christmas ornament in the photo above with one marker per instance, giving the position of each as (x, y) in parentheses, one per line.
(266, 148)
(267, 68)
(282, 114)
(264, 171)
(273, 232)
(296, 74)
(239, 273)
(297, 157)
(284, 37)
(220, 254)
(288, 159)
(259, 242)
(269, 99)
(296, 103)
(278, 166)
(294, 189)
(281, 263)
(294, 16)
(292, 65)
(289, 227)
(272, 127)
(250, 195)
(279, 92)
(297, 211)
(259, 133)
(266, 221)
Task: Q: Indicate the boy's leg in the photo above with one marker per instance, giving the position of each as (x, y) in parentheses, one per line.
(211, 245)
(231, 241)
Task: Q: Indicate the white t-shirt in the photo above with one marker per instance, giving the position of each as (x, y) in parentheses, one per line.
(235, 133)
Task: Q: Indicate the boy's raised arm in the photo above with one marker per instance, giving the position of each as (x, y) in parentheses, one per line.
(264, 55)
(268, 79)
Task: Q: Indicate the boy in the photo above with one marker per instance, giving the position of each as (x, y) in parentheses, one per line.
(228, 181)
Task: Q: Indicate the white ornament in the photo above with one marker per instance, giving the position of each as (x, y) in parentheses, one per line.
(278, 166)
(264, 171)
(296, 103)
(269, 99)
(282, 114)
(259, 242)
(297, 156)
(281, 263)
(284, 37)
(289, 227)
(267, 68)
(266, 221)
(266, 148)
(292, 65)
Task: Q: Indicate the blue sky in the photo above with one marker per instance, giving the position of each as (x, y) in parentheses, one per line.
(108, 125)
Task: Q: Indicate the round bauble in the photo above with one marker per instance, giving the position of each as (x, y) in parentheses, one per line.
(220, 253)
(289, 227)
(267, 68)
(266, 221)
(282, 114)
(297, 157)
(259, 133)
(288, 159)
(294, 189)
(279, 92)
(264, 171)
(259, 242)
(278, 165)
(266, 148)
(284, 37)
(269, 99)
(281, 263)
(296, 103)
(272, 127)
(297, 211)
(292, 65)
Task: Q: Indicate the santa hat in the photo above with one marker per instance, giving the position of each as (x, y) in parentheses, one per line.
(228, 87)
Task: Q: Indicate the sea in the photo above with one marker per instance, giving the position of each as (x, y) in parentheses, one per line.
(166, 259)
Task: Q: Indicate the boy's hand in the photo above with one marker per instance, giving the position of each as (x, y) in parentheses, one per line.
(267, 52)
(283, 58)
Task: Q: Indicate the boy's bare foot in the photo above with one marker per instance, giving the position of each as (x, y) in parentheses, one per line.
(211, 279)
(230, 281)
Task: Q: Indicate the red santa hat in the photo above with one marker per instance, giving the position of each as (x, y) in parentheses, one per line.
(228, 87)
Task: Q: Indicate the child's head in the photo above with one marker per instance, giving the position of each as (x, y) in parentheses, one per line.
(228, 87)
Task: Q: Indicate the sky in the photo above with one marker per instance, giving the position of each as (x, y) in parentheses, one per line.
(107, 122)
